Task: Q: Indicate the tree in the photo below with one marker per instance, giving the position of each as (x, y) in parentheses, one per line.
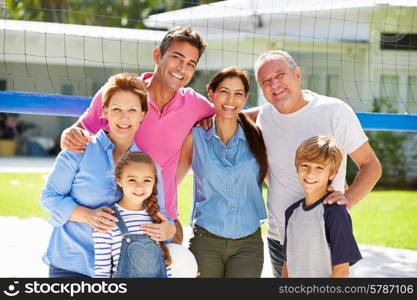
(111, 13)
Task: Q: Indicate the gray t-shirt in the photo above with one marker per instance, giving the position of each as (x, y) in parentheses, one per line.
(318, 237)
(283, 133)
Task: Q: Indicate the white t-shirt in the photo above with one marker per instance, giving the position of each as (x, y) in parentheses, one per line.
(283, 133)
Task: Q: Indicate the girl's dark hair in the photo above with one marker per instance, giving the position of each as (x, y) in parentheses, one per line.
(151, 203)
(252, 132)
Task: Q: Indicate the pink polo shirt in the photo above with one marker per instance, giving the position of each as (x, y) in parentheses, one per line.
(160, 134)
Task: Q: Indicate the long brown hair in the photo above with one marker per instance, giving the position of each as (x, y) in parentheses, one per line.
(151, 203)
(252, 132)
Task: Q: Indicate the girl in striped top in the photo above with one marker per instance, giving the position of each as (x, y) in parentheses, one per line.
(125, 250)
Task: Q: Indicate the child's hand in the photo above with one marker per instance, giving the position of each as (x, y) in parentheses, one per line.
(159, 232)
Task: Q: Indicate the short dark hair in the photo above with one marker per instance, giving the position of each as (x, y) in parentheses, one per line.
(183, 34)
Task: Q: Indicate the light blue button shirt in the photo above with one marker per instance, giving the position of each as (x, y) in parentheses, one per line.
(85, 179)
(227, 195)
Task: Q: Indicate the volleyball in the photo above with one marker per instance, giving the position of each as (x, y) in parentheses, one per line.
(184, 264)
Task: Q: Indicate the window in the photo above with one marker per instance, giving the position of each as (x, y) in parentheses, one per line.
(67, 89)
(3, 85)
(412, 95)
(314, 82)
(389, 93)
(399, 41)
(95, 87)
(322, 84)
(332, 88)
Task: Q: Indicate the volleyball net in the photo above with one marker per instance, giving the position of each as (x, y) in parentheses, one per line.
(363, 52)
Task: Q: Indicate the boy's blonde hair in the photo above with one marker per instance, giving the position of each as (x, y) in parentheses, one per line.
(322, 150)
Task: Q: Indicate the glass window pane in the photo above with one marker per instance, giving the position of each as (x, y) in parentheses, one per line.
(315, 85)
(389, 93)
(332, 86)
(412, 95)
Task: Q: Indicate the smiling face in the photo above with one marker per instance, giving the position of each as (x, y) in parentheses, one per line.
(229, 97)
(314, 177)
(176, 67)
(124, 114)
(281, 85)
(137, 181)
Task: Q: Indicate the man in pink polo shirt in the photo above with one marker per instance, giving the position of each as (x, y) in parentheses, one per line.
(173, 111)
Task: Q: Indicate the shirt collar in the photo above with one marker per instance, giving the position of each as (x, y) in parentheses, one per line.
(174, 102)
(307, 208)
(107, 144)
(212, 131)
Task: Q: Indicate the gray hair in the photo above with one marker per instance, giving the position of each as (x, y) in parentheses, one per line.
(273, 54)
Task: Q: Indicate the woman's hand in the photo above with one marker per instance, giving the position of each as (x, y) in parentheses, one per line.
(100, 219)
(159, 232)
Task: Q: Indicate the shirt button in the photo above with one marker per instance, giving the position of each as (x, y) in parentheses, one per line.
(128, 240)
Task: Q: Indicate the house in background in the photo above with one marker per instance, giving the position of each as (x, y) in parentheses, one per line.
(357, 50)
(68, 59)
(361, 51)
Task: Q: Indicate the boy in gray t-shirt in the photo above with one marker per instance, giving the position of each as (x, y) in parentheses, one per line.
(319, 241)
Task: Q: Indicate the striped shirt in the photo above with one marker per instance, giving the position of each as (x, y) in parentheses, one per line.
(107, 245)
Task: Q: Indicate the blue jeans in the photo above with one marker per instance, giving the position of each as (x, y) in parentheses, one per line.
(276, 252)
(140, 256)
(55, 272)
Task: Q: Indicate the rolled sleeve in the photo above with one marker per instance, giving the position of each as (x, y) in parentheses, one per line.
(55, 196)
(161, 195)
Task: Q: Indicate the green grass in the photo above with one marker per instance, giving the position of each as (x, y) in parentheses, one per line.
(383, 218)
(19, 194)
(387, 218)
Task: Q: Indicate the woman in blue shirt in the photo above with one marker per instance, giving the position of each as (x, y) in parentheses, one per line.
(229, 164)
(81, 186)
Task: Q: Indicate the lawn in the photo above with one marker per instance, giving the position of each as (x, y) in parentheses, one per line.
(384, 218)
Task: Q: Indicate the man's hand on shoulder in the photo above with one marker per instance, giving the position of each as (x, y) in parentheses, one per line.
(75, 139)
(206, 123)
(335, 197)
